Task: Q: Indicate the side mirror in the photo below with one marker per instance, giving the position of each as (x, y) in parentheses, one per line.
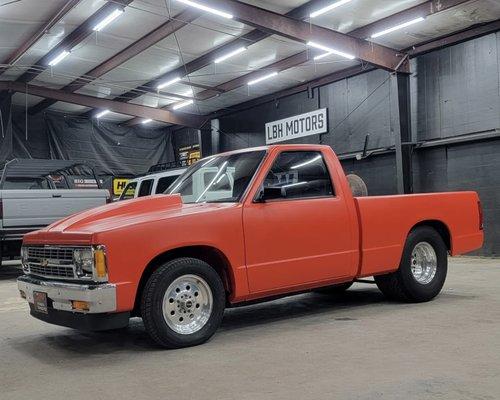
(270, 193)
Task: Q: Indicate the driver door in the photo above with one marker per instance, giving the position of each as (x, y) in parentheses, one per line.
(303, 238)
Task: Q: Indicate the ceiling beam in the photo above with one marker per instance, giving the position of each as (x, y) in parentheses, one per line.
(245, 40)
(74, 38)
(157, 114)
(422, 10)
(144, 43)
(37, 34)
(304, 32)
(470, 33)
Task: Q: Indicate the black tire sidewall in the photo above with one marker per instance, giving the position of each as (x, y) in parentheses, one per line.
(414, 290)
(167, 274)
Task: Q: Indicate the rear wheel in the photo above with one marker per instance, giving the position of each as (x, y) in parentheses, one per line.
(183, 303)
(422, 270)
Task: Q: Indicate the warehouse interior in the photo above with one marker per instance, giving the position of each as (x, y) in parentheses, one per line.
(411, 90)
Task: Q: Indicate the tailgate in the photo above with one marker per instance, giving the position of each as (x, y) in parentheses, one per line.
(38, 208)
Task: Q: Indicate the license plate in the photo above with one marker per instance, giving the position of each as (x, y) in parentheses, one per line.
(40, 302)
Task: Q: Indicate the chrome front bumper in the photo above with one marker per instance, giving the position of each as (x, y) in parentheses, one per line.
(100, 297)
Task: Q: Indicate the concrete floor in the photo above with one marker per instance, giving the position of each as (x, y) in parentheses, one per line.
(310, 346)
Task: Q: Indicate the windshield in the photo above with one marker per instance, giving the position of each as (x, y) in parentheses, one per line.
(221, 178)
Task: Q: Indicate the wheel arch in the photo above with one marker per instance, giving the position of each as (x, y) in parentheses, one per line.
(209, 254)
(440, 227)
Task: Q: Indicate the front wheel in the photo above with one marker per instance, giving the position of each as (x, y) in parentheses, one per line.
(183, 303)
(422, 270)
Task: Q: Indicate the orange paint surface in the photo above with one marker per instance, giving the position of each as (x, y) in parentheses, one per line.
(272, 248)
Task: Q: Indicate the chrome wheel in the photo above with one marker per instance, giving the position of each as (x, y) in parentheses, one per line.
(187, 304)
(423, 263)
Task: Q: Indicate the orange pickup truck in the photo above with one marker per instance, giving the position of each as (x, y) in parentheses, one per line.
(238, 227)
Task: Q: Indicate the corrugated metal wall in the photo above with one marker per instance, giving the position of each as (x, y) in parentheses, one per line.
(455, 91)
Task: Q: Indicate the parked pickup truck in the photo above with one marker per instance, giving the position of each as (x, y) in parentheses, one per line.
(271, 221)
(31, 198)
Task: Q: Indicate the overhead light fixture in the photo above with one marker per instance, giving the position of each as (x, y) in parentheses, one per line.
(102, 114)
(229, 55)
(146, 121)
(319, 57)
(182, 104)
(262, 78)
(328, 8)
(110, 18)
(168, 83)
(330, 51)
(61, 56)
(397, 27)
(206, 8)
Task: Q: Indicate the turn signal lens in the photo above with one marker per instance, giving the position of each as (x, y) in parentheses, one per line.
(80, 305)
(100, 263)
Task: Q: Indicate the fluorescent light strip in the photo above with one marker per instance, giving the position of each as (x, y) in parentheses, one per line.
(146, 121)
(206, 8)
(183, 104)
(330, 51)
(328, 8)
(262, 78)
(319, 57)
(102, 114)
(110, 18)
(168, 83)
(61, 56)
(229, 55)
(397, 27)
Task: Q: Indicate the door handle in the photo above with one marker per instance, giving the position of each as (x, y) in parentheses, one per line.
(56, 195)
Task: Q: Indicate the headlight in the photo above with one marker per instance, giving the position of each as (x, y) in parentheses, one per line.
(90, 263)
(24, 259)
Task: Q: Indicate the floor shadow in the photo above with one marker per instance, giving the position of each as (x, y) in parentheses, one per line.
(64, 343)
(10, 271)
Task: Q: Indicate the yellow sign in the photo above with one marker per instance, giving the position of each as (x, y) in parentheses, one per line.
(118, 185)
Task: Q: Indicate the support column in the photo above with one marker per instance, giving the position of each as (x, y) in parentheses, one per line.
(401, 126)
(215, 136)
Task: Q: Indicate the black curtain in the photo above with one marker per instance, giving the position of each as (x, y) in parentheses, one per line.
(110, 148)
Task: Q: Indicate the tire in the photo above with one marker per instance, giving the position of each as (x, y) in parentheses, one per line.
(334, 289)
(183, 303)
(424, 248)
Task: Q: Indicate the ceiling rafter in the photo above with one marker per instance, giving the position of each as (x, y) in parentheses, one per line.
(144, 112)
(421, 10)
(75, 37)
(37, 34)
(142, 44)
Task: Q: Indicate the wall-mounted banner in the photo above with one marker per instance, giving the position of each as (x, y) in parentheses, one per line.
(311, 123)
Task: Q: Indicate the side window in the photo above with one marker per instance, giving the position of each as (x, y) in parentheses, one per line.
(129, 191)
(164, 183)
(302, 174)
(145, 188)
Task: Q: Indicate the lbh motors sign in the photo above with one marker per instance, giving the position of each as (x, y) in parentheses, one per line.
(311, 123)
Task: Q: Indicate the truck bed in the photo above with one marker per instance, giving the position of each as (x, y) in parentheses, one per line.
(385, 222)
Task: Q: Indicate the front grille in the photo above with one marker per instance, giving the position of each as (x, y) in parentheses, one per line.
(51, 262)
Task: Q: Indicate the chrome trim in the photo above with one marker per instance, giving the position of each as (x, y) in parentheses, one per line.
(101, 297)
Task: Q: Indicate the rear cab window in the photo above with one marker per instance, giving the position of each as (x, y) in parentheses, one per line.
(164, 183)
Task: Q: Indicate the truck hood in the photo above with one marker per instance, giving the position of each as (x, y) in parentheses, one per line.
(125, 213)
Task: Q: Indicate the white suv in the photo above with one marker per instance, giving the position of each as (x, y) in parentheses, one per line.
(150, 184)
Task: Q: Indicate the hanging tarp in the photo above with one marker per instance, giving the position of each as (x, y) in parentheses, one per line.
(108, 147)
